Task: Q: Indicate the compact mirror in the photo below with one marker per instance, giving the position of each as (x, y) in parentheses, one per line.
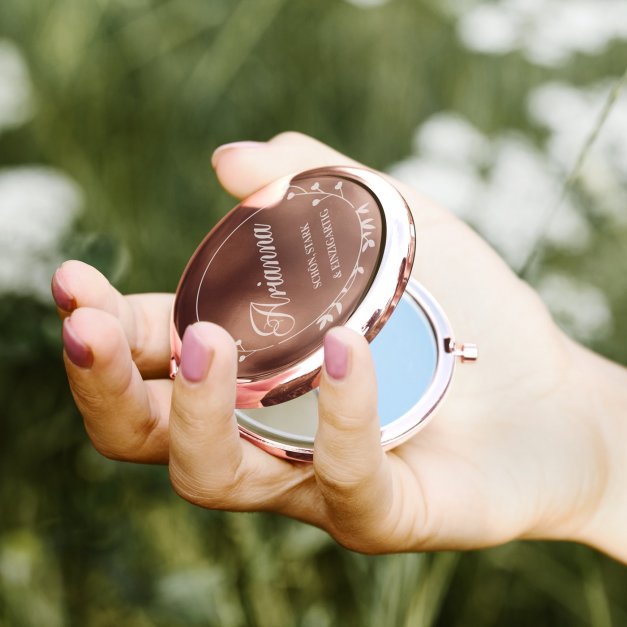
(325, 247)
(414, 358)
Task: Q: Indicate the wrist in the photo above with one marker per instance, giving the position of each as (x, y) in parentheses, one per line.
(607, 413)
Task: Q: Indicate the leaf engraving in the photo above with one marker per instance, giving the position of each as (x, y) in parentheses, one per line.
(324, 320)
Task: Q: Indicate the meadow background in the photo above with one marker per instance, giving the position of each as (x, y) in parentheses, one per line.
(513, 113)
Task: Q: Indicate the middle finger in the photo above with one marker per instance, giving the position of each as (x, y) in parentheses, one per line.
(125, 417)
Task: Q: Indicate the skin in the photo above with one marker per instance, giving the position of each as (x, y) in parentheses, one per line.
(529, 443)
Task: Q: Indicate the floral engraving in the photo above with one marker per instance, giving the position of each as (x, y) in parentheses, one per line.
(244, 352)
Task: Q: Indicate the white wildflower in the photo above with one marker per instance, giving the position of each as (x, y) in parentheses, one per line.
(569, 114)
(580, 308)
(37, 209)
(547, 32)
(506, 188)
(15, 87)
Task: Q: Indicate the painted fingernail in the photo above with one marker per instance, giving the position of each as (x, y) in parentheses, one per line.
(232, 146)
(335, 356)
(196, 357)
(79, 353)
(62, 297)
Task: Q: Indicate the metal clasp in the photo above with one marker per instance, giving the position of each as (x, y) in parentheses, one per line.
(466, 352)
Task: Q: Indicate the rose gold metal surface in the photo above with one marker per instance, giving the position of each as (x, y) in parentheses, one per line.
(326, 247)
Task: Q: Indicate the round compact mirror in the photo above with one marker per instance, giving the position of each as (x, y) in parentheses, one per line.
(325, 247)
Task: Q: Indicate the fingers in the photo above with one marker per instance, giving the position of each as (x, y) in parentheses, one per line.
(143, 317)
(125, 418)
(210, 465)
(352, 471)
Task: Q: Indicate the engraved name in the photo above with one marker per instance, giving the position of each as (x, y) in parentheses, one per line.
(267, 318)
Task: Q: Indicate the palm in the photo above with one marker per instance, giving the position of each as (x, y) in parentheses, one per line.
(478, 460)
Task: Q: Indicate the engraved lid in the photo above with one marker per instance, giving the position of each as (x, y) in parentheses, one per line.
(325, 247)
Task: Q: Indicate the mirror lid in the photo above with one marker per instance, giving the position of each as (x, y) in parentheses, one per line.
(320, 248)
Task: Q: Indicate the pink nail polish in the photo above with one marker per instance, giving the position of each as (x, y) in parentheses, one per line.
(196, 357)
(335, 357)
(62, 297)
(233, 146)
(79, 353)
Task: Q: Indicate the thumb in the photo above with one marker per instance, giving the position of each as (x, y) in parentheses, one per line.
(351, 468)
(245, 167)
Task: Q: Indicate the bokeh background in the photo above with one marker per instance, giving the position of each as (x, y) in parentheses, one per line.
(513, 113)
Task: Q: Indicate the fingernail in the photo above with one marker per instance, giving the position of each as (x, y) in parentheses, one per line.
(79, 353)
(335, 357)
(196, 357)
(62, 297)
(232, 146)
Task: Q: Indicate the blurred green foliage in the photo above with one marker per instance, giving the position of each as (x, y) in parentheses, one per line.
(131, 99)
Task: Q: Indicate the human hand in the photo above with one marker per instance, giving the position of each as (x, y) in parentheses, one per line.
(514, 452)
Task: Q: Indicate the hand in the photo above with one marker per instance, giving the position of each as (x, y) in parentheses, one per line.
(515, 451)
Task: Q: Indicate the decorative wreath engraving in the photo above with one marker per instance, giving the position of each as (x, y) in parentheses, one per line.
(246, 352)
(367, 243)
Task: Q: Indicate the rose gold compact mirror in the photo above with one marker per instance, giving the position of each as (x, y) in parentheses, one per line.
(325, 247)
